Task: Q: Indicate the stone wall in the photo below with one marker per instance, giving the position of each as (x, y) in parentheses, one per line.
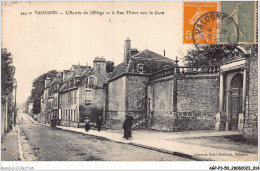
(116, 94)
(116, 103)
(197, 102)
(161, 105)
(136, 95)
(251, 118)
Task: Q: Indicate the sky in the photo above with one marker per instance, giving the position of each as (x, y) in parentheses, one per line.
(40, 43)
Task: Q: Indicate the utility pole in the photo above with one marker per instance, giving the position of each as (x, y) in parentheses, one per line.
(15, 91)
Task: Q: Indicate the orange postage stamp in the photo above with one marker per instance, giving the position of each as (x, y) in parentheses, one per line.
(192, 12)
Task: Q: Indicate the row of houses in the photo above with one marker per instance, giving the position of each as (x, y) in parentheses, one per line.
(75, 94)
(159, 93)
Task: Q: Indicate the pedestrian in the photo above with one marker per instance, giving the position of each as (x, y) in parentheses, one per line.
(87, 125)
(127, 125)
(53, 122)
(99, 123)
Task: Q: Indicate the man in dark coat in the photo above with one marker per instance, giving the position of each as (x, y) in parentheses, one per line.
(53, 122)
(99, 123)
(87, 126)
(127, 125)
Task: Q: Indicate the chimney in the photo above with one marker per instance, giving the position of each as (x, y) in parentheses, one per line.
(164, 52)
(47, 81)
(127, 49)
(99, 66)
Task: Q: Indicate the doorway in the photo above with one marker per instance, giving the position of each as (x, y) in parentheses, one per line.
(236, 100)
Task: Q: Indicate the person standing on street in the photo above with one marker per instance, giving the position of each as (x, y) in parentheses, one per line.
(87, 125)
(53, 122)
(127, 125)
(99, 123)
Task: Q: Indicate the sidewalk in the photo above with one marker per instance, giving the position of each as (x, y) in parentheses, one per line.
(10, 147)
(168, 142)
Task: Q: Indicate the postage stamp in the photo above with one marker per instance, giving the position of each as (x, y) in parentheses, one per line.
(244, 15)
(192, 12)
(219, 22)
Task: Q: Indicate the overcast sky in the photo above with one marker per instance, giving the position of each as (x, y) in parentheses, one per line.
(40, 43)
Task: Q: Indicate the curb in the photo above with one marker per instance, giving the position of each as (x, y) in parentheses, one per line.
(20, 145)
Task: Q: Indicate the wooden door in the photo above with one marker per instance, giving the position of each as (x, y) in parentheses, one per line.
(236, 100)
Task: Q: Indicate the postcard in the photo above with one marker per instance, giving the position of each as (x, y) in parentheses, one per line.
(125, 81)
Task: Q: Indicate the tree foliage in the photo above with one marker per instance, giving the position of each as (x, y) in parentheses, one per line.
(92, 112)
(110, 66)
(38, 89)
(7, 72)
(206, 55)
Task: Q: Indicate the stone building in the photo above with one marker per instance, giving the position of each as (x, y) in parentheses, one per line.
(127, 86)
(74, 94)
(81, 94)
(164, 96)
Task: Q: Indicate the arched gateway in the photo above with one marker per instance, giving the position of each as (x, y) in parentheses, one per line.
(233, 87)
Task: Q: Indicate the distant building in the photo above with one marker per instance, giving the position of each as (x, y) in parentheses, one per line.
(81, 94)
(74, 94)
(30, 108)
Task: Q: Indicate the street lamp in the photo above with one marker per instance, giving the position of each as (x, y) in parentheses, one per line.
(15, 113)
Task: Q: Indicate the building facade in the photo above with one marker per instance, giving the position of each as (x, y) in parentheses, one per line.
(76, 93)
(128, 85)
(174, 98)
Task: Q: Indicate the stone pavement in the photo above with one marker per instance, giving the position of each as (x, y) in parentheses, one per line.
(10, 147)
(164, 142)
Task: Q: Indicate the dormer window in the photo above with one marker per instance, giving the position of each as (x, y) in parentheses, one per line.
(166, 67)
(92, 81)
(140, 67)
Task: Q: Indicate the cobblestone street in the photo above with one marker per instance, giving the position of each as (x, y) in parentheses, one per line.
(41, 143)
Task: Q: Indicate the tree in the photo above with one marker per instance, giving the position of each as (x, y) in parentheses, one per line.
(110, 66)
(205, 55)
(7, 72)
(38, 89)
(92, 112)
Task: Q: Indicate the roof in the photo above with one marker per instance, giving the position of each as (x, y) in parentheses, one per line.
(80, 79)
(152, 62)
(149, 55)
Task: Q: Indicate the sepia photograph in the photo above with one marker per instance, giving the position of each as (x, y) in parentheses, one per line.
(91, 81)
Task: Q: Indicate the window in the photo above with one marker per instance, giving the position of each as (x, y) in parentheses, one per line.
(55, 102)
(88, 96)
(140, 67)
(70, 97)
(74, 114)
(75, 97)
(71, 114)
(95, 81)
(91, 81)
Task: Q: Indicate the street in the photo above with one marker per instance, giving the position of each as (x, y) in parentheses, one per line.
(41, 143)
